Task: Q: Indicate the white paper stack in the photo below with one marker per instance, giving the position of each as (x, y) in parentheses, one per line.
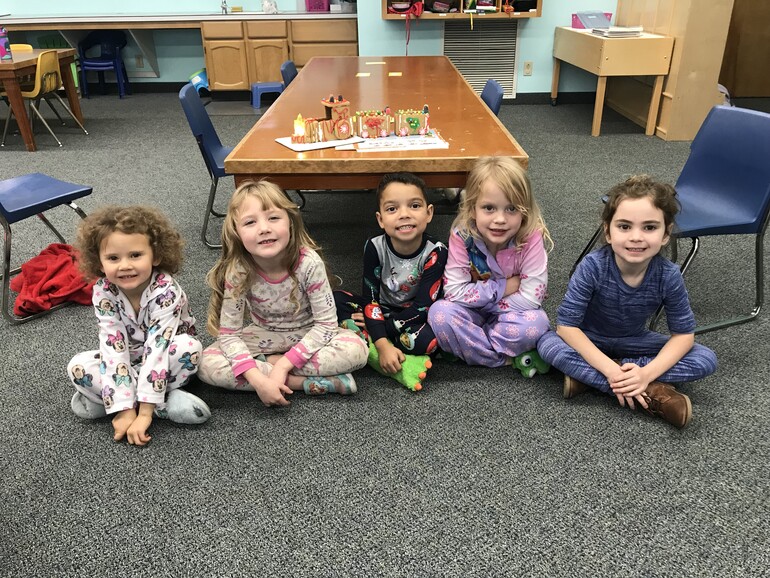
(619, 31)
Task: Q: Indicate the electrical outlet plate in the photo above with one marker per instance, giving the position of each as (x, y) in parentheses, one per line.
(139, 61)
(528, 68)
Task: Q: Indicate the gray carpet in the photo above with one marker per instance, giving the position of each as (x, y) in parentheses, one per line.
(483, 473)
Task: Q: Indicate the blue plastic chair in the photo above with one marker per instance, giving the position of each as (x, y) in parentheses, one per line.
(211, 148)
(288, 72)
(492, 95)
(110, 42)
(724, 189)
(24, 197)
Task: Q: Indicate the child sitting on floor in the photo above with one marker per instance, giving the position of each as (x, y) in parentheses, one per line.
(601, 339)
(271, 272)
(402, 279)
(497, 271)
(147, 349)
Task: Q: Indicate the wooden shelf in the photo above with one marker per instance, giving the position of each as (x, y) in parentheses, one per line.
(498, 15)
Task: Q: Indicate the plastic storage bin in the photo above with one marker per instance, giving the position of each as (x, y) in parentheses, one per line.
(317, 5)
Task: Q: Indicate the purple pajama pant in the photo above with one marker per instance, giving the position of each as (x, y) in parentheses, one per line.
(481, 338)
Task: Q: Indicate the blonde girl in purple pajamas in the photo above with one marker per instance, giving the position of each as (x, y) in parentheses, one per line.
(496, 274)
(271, 273)
(147, 349)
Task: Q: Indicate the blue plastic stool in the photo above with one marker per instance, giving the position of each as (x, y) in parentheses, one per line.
(21, 198)
(260, 88)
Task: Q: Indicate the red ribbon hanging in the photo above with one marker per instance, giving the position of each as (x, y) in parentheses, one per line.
(415, 10)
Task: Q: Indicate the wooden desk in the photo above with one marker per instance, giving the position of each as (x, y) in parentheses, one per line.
(645, 55)
(23, 64)
(455, 111)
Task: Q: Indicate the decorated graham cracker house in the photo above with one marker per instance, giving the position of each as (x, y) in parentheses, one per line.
(340, 125)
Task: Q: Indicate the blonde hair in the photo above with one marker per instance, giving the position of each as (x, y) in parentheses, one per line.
(512, 178)
(164, 239)
(235, 258)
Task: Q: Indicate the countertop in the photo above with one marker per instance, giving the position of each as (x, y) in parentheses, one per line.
(73, 19)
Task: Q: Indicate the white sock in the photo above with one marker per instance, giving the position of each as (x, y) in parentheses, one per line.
(86, 408)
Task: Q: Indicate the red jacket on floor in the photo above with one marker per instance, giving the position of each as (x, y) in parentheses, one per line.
(49, 279)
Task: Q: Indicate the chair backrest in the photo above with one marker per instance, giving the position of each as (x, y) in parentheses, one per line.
(202, 128)
(729, 168)
(110, 43)
(492, 95)
(21, 48)
(47, 75)
(288, 72)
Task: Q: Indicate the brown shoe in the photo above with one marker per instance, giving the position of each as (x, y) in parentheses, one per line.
(572, 387)
(664, 401)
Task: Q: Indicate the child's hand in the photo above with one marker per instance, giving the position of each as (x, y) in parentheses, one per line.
(137, 431)
(358, 319)
(272, 392)
(123, 421)
(512, 285)
(628, 384)
(391, 357)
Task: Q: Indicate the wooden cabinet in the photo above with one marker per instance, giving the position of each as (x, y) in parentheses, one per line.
(690, 90)
(516, 9)
(239, 53)
(224, 51)
(322, 38)
(267, 47)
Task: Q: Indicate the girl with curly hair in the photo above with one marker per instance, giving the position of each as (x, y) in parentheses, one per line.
(147, 349)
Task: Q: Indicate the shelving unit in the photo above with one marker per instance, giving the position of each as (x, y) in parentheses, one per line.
(499, 14)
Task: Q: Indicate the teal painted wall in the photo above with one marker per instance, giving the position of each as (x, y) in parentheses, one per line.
(180, 52)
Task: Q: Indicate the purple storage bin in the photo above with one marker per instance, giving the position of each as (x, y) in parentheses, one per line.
(317, 5)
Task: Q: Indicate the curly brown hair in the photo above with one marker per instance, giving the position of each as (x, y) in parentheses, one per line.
(661, 195)
(166, 242)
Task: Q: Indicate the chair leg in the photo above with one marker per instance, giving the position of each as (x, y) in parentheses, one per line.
(594, 239)
(759, 296)
(67, 108)
(119, 79)
(56, 112)
(209, 212)
(126, 83)
(84, 82)
(301, 205)
(7, 122)
(40, 116)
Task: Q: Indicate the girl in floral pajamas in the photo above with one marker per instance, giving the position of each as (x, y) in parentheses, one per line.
(271, 274)
(147, 345)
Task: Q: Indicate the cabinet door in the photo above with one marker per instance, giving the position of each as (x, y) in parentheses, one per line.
(226, 64)
(265, 58)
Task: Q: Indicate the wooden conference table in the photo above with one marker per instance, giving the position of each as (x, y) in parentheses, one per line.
(24, 63)
(372, 83)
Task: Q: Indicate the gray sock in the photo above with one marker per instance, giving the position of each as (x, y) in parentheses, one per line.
(85, 408)
(184, 407)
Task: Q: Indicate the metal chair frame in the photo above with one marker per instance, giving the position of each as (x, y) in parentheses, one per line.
(8, 272)
(742, 138)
